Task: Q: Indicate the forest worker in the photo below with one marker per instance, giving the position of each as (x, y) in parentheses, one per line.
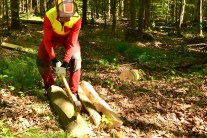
(61, 27)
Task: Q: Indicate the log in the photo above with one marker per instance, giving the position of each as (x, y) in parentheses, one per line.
(101, 105)
(17, 47)
(131, 75)
(94, 114)
(64, 109)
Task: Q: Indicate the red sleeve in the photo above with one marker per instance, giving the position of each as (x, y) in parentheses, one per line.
(47, 28)
(73, 41)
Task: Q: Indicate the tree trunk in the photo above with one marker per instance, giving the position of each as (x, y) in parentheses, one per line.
(173, 7)
(23, 6)
(42, 8)
(104, 13)
(200, 18)
(114, 15)
(96, 5)
(109, 9)
(147, 14)
(27, 10)
(167, 9)
(126, 8)
(29, 6)
(182, 12)
(133, 14)
(7, 13)
(1, 9)
(84, 20)
(176, 12)
(91, 3)
(49, 4)
(15, 21)
(140, 17)
(120, 8)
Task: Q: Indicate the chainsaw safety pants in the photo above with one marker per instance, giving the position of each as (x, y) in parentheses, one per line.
(74, 69)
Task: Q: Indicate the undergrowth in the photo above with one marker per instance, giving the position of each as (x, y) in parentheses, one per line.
(19, 73)
(173, 61)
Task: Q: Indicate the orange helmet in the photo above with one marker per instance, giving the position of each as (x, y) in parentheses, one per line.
(66, 8)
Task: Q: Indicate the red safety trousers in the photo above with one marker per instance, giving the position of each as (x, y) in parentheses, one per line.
(44, 63)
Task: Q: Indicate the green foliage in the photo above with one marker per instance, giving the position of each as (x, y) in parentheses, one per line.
(110, 85)
(109, 54)
(105, 123)
(25, 39)
(35, 133)
(5, 131)
(19, 73)
(30, 133)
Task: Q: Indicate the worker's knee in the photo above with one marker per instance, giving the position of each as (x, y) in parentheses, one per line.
(77, 64)
(77, 61)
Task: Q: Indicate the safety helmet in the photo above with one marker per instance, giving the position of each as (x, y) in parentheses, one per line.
(66, 8)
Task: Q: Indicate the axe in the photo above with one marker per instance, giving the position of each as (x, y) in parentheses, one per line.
(72, 97)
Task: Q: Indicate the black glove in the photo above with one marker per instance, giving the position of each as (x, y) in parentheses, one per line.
(65, 64)
(54, 62)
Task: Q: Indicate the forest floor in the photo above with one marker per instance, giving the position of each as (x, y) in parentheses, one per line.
(164, 108)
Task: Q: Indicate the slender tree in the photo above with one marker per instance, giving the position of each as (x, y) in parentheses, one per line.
(141, 16)
(181, 17)
(200, 18)
(84, 18)
(42, 8)
(133, 14)
(7, 13)
(27, 10)
(96, 6)
(104, 13)
(1, 8)
(126, 8)
(109, 9)
(147, 14)
(114, 15)
(120, 8)
(49, 4)
(15, 21)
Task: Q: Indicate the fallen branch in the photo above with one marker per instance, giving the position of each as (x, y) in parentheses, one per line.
(17, 47)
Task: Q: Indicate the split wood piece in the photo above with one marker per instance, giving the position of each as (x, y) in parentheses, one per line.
(94, 114)
(17, 47)
(64, 109)
(101, 105)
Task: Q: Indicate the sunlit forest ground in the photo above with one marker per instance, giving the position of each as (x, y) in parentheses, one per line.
(169, 101)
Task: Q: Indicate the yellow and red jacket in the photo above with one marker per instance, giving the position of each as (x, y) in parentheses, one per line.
(54, 29)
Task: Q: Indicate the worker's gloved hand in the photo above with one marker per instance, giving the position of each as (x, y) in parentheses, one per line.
(62, 69)
(55, 63)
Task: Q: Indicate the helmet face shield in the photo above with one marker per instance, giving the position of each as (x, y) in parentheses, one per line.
(67, 9)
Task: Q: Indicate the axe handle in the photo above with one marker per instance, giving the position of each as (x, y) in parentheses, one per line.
(70, 94)
(72, 97)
